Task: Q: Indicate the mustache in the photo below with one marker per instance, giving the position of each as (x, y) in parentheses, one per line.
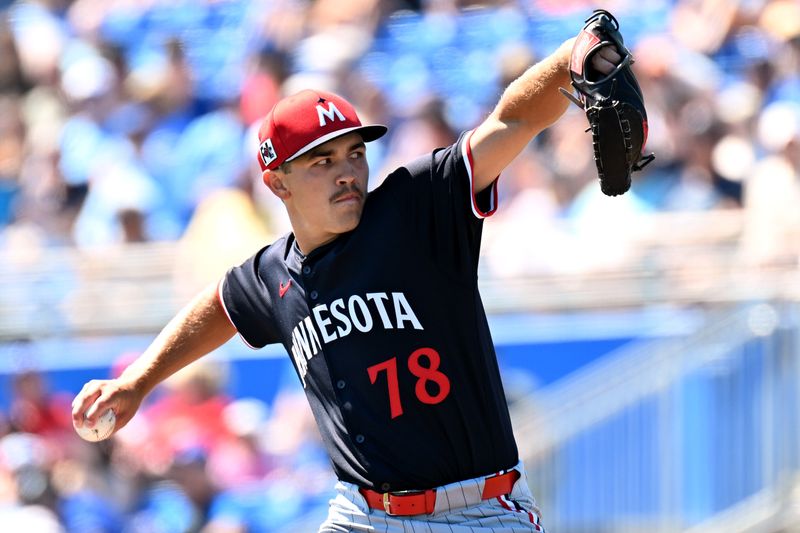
(345, 192)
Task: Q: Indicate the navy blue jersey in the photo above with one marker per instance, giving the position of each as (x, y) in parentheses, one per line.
(387, 331)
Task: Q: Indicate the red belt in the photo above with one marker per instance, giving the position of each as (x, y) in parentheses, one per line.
(409, 503)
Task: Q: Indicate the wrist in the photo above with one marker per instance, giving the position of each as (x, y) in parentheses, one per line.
(564, 53)
(136, 382)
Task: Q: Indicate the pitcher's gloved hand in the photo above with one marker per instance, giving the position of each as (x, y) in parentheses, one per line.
(612, 100)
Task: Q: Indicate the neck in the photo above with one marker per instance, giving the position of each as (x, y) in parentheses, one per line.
(308, 244)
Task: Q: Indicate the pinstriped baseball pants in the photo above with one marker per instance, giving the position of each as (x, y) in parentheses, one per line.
(459, 509)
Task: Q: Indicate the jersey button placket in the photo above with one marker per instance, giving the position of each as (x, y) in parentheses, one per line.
(360, 438)
(314, 295)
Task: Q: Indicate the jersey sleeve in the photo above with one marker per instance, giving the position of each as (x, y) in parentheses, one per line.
(483, 203)
(445, 209)
(245, 299)
(446, 176)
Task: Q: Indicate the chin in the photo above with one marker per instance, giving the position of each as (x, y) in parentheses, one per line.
(349, 222)
(351, 225)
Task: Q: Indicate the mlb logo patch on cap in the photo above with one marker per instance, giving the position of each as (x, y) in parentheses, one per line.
(304, 121)
(267, 152)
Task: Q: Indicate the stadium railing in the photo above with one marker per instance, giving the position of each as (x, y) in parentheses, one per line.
(695, 434)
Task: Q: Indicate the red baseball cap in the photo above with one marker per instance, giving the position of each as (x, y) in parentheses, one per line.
(303, 121)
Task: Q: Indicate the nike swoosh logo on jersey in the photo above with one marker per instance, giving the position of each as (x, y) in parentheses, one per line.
(283, 288)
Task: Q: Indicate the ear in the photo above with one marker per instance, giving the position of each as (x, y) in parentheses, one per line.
(276, 182)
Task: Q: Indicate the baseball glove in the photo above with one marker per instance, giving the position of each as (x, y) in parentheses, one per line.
(613, 104)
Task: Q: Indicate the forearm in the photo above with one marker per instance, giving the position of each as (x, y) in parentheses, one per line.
(529, 104)
(196, 330)
(533, 100)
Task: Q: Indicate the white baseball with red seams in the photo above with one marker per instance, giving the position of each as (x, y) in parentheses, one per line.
(102, 429)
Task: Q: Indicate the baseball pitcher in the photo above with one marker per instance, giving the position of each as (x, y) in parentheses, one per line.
(375, 299)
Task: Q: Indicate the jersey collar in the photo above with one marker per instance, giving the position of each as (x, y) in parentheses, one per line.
(295, 258)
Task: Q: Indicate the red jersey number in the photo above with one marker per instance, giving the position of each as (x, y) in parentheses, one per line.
(424, 373)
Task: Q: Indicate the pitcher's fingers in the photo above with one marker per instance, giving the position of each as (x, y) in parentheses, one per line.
(80, 407)
(100, 405)
(602, 64)
(606, 59)
(610, 54)
(85, 398)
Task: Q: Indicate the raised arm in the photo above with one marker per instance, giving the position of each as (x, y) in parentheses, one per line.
(528, 105)
(196, 330)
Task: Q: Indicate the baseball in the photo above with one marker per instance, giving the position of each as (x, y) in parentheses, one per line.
(101, 430)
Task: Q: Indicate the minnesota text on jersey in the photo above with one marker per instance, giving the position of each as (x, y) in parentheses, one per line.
(354, 313)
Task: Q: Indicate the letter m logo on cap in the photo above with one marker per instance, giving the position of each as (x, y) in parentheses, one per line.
(332, 113)
(267, 151)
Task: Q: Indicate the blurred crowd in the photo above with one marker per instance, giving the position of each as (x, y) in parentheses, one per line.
(127, 122)
(192, 460)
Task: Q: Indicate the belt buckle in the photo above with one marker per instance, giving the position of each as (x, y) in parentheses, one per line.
(387, 504)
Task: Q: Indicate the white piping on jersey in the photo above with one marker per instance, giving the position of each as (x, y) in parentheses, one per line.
(466, 153)
(227, 314)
